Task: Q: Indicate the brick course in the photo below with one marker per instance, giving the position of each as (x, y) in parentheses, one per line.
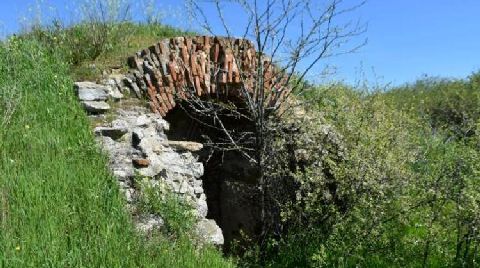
(216, 67)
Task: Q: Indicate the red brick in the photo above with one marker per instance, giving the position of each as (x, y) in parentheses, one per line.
(141, 163)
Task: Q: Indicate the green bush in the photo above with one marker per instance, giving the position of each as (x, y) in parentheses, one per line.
(398, 186)
(447, 105)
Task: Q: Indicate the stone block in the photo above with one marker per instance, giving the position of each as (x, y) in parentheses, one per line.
(96, 107)
(141, 163)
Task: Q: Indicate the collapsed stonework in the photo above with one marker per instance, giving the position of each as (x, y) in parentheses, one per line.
(141, 142)
(138, 149)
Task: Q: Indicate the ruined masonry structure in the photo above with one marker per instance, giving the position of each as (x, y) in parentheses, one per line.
(135, 136)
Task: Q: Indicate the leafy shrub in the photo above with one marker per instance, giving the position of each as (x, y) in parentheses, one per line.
(397, 186)
(448, 105)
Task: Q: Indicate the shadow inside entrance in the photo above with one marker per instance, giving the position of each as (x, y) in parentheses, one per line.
(229, 180)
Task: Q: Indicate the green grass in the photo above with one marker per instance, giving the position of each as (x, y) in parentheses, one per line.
(92, 49)
(60, 206)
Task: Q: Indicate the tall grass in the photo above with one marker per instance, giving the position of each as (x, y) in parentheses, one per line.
(59, 204)
(99, 35)
(90, 49)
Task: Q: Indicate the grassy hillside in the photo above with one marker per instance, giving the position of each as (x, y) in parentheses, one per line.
(406, 180)
(60, 206)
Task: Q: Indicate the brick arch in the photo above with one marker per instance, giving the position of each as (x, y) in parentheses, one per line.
(218, 67)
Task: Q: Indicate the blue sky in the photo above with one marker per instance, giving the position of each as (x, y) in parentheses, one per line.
(406, 38)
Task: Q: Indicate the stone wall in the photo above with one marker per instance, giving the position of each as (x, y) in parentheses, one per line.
(140, 153)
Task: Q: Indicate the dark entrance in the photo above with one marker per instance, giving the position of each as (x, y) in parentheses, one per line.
(229, 181)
